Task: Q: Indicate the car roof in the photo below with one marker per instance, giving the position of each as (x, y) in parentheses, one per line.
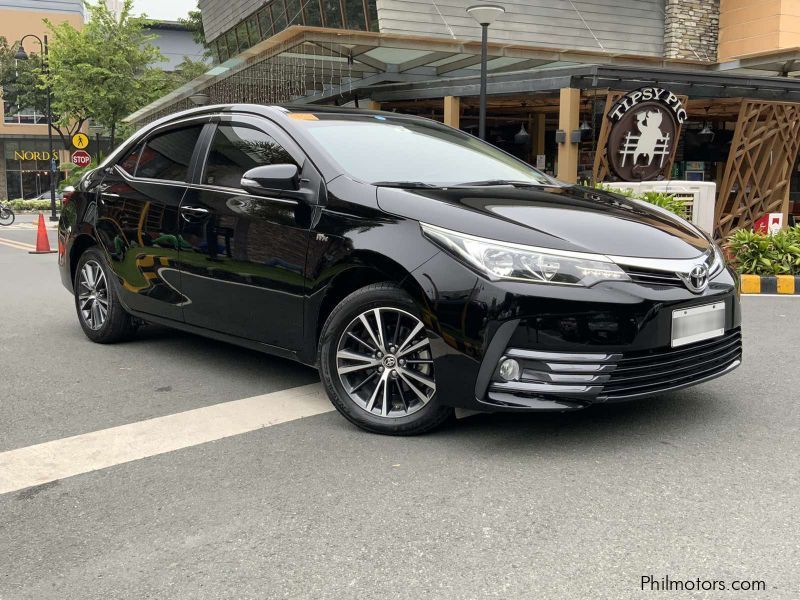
(276, 112)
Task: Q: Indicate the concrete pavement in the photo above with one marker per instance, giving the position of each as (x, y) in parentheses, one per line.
(698, 484)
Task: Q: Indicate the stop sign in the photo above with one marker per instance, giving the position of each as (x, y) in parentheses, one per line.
(81, 158)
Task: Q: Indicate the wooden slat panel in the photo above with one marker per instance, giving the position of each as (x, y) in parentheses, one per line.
(758, 172)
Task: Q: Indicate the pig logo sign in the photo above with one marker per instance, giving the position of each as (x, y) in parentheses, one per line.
(644, 131)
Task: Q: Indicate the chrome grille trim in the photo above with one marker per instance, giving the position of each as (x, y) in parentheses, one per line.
(568, 377)
(561, 356)
(666, 265)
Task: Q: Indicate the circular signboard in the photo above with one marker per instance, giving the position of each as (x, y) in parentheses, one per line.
(80, 140)
(81, 158)
(644, 131)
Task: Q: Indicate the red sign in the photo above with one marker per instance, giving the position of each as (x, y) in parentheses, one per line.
(81, 158)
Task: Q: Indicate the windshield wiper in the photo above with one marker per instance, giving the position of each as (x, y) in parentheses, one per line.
(405, 184)
(491, 182)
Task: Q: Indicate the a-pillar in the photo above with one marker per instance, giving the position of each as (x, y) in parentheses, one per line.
(452, 111)
(568, 119)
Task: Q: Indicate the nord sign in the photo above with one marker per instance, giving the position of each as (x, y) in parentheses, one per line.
(81, 158)
(29, 155)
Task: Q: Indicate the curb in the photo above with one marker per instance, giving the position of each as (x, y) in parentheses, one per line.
(771, 284)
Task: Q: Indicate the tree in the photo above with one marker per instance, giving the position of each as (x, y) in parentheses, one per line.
(194, 23)
(22, 88)
(104, 71)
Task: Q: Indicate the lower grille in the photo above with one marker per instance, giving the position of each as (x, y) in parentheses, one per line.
(652, 372)
(597, 377)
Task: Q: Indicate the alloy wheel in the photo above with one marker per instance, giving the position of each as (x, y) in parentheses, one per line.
(93, 295)
(385, 364)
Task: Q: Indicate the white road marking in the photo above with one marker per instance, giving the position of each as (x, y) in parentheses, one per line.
(770, 295)
(50, 461)
(16, 244)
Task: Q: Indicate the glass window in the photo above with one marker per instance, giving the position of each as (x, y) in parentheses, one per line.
(237, 149)
(222, 50)
(333, 13)
(313, 14)
(14, 185)
(128, 164)
(167, 155)
(390, 149)
(242, 36)
(294, 12)
(252, 29)
(278, 15)
(354, 11)
(372, 13)
(265, 20)
(233, 45)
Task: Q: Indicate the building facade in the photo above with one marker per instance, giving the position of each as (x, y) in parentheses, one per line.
(175, 42)
(556, 68)
(24, 170)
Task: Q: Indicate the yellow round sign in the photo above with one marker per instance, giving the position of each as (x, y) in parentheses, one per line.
(80, 140)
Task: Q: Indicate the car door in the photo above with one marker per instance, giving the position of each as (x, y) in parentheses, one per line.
(137, 217)
(243, 272)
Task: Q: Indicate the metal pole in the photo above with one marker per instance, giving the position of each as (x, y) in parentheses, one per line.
(45, 68)
(484, 60)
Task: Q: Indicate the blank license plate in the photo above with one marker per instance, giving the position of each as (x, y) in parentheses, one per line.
(690, 325)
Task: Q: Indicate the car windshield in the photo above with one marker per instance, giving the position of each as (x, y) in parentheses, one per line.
(394, 150)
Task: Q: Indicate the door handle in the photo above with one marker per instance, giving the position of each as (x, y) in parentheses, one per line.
(194, 210)
(108, 198)
(187, 212)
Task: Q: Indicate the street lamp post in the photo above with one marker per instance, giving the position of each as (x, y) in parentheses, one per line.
(22, 55)
(485, 15)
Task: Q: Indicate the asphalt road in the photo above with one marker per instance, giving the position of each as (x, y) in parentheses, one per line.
(697, 484)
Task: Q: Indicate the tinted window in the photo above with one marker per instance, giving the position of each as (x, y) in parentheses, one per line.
(379, 148)
(167, 155)
(237, 149)
(128, 164)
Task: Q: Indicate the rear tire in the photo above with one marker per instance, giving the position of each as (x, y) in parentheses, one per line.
(7, 217)
(100, 313)
(376, 364)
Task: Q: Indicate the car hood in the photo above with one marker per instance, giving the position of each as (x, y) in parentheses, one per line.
(562, 218)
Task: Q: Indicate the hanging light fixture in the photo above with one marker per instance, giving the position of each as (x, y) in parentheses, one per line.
(706, 133)
(585, 126)
(522, 136)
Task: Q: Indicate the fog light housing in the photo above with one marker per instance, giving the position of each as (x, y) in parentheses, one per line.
(509, 369)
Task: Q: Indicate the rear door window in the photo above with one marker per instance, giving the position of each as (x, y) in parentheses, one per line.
(167, 155)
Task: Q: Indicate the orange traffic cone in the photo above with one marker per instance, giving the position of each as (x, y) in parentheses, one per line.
(42, 243)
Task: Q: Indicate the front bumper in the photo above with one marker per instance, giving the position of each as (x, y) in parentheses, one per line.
(576, 346)
(562, 381)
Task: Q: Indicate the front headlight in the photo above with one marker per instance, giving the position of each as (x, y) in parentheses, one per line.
(503, 260)
(718, 262)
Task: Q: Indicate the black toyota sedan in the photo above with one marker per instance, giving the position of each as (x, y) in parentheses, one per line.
(419, 268)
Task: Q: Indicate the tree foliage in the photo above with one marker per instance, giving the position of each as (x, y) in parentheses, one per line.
(103, 71)
(194, 23)
(19, 78)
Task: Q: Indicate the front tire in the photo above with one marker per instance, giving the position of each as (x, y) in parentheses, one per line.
(100, 313)
(376, 363)
(7, 217)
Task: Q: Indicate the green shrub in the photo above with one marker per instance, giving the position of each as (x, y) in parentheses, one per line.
(664, 200)
(20, 205)
(755, 253)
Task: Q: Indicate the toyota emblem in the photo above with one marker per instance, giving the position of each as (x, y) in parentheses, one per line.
(697, 281)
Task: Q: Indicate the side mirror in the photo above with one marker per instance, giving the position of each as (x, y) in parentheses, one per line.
(268, 179)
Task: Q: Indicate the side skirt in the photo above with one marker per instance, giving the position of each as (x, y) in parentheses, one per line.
(223, 337)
